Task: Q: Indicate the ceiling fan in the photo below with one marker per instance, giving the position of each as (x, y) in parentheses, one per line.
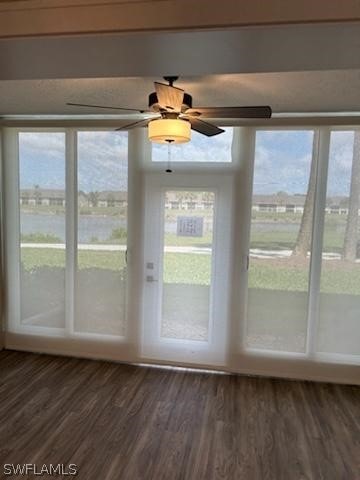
(172, 115)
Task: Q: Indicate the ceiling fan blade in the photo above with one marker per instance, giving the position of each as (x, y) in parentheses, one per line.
(230, 112)
(205, 128)
(169, 98)
(106, 107)
(138, 123)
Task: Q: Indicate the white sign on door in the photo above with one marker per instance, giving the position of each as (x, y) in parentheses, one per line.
(190, 226)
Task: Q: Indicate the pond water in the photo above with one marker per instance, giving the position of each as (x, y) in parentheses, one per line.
(101, 227)
(89, 226)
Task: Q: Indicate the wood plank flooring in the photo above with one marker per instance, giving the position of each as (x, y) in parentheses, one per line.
(122, 422)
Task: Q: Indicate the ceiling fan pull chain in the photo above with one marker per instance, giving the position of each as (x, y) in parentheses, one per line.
(168, 169)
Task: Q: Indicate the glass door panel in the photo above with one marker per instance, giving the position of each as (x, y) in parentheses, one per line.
(102, 233)
(187, 264)
(281, 225)
(339, 319)
(42, 228)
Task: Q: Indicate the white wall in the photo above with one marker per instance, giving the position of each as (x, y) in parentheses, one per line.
(289, 48)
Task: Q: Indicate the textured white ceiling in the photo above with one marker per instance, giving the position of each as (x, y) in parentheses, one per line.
(325, 91)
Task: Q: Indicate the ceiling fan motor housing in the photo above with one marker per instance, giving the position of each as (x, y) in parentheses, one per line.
(154, 104)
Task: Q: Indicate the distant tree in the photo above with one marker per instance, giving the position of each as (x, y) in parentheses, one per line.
(93, 198)
(281, 197)
(302, 244)
(37, 194)
(25, 198)
(180, 197)
(344, 203)
(191, 196)
(110, 198)
(208, 196)
(352, 224)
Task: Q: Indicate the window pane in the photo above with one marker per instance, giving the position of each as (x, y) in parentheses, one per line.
(42, 228)
(199, 149)
(284, 185)
(339, 324)
(188, 233)
(102, 232)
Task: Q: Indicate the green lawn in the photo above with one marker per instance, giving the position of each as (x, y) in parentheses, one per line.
(276, 239)
(173, 240)
(336, 277)
(33, 258)
(195, 269)
(272, 240)
(289, 217)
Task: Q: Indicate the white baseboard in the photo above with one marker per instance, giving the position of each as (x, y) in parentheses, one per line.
(117, 351)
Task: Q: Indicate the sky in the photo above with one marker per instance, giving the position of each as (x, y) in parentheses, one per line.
(102, 160)
(282, 159)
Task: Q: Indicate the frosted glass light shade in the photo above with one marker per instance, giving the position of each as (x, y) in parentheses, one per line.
(167, 130)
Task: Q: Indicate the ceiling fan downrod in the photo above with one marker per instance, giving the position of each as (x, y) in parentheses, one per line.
(171, 80)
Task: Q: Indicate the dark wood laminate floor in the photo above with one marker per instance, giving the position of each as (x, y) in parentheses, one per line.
(135, 423)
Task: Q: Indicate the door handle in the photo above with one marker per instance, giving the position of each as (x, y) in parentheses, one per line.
(150, 279)
(245, 263)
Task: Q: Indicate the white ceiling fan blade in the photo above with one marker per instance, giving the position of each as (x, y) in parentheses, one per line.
(169, 98)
